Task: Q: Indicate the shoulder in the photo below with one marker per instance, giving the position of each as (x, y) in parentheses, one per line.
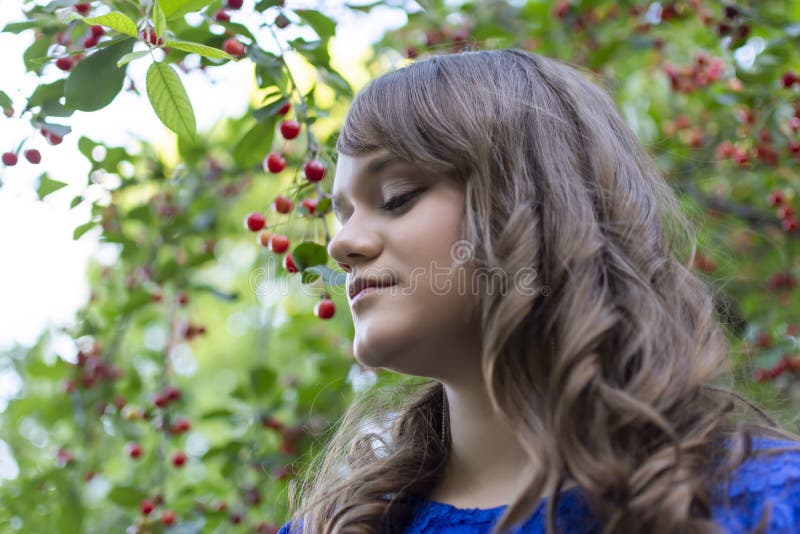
(769, 480)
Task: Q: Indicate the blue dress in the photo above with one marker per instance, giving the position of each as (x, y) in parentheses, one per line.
(758, 482)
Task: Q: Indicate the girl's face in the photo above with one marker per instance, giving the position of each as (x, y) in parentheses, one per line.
(402, 224)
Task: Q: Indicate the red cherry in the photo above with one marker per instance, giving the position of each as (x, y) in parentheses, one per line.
(274, 163)
(51, 138)
(785, 211)
(254, 221)
(285, 108)
(134, 450)
(283, 204)
(179, 459)
(9, 159)
(235, 4)
(560, 9)
(65, 63)
(314, 170)
(149, 34)
(222, 16)
(310, 205)
(82, 8)
(146, 506)
(775, 198)
(233, 47)
(281, 21)
(288, 264)
(236, 518)
(289, 129)
(97, 30)
(324, 309)
(788, 79)
(167, 517)
(33, 156)
(161, 400)
(181, 425)
(790, 224)
(172, 393)
(90, 41)
(279, 243)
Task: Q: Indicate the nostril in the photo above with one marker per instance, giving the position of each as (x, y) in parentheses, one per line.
(344, 267)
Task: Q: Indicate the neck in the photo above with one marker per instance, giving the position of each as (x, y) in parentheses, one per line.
(486, 465)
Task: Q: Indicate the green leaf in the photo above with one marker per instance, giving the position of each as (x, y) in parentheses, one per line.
(203, 50)
(5, 100)
(176, 8)
(82, 229)
(96, 81)
(159, 20)
(114, 20)
(60, 130)
(323, 25)
(335, 81)
(262, 379)
(127, 58)
(307, 254)
(19, 27)
(263, 5)
(126, 496)
(35, 56)
(45, 186)
(329, 276)
(254, 145)
(366, 8)
(170, 101)
(270, 110)
(45, 93)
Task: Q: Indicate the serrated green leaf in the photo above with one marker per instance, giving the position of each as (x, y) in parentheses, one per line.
(196, 48)
(254, 145)
(45, 186)
(170, 100)
(159, 19)
(96, 81)
(127, 58)
(322, 24)
(114, 20)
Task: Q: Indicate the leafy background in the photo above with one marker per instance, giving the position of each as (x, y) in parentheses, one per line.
(196, 339)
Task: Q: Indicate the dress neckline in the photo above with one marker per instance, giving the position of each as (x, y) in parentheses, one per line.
(565, 494)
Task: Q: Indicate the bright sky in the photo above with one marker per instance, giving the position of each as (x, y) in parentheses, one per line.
(42, 280)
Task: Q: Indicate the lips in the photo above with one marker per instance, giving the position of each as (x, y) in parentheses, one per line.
(363, 283)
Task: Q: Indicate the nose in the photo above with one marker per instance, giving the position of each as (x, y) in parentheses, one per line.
(354, 244)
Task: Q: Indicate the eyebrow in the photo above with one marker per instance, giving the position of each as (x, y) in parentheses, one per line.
(373, 168)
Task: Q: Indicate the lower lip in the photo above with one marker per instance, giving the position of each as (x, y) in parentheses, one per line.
(366, 292)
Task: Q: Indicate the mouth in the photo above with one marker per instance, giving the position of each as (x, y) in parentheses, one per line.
(361, 287)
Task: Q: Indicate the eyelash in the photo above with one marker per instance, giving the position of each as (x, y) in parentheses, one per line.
(389, 205)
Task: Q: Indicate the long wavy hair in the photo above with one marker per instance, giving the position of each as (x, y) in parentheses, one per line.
(617, 367)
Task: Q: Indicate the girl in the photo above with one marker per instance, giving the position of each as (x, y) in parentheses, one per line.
(525, 257)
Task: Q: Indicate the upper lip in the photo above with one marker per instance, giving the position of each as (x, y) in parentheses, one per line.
(360, 283)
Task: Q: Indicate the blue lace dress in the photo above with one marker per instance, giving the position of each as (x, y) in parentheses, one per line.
(772, 481)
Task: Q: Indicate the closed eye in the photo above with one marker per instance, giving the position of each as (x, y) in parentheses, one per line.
(399, 200)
